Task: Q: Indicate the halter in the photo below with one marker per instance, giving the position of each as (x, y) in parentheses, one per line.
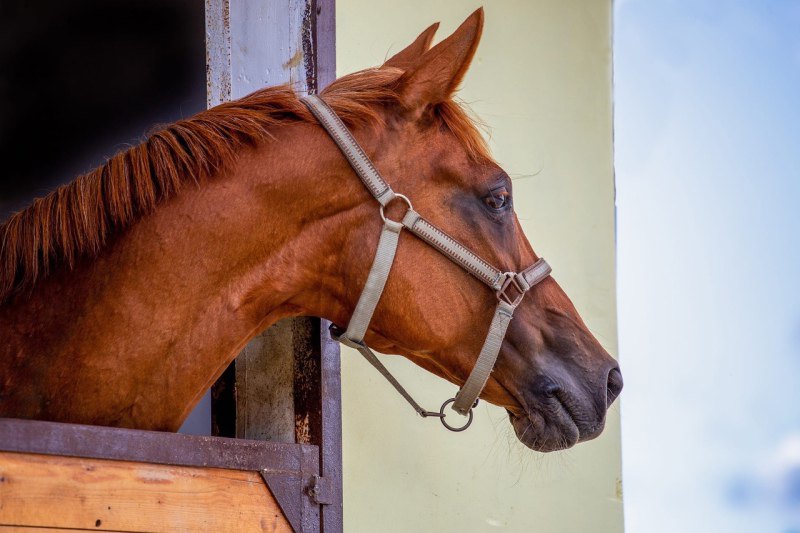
(509, 287)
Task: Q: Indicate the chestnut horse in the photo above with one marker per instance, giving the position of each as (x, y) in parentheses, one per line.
(125, 293)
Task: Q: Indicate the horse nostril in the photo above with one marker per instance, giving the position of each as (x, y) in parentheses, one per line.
(546, 386)
(551, 390)
(614, 386)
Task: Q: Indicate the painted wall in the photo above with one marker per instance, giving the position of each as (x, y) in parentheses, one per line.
(542, 82)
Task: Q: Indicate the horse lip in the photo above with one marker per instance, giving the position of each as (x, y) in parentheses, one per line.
(566, 409)
(585, 431)
(528, 414)
(563, 408)
(563, 417)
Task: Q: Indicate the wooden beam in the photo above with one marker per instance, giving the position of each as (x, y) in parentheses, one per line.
(253, 44)
(41, 491)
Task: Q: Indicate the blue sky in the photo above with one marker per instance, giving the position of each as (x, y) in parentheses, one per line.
(707, 135)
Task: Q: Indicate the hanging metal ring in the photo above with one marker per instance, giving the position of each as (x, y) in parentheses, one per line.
(454, 428)
(397, 196)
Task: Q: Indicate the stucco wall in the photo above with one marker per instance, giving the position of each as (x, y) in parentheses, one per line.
(542, 82)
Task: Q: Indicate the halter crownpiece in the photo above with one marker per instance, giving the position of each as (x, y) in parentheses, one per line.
(509, 287)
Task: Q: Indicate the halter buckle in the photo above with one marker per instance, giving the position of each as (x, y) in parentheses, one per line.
(511, 291)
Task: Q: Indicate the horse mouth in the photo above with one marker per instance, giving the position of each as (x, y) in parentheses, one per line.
(550, 427)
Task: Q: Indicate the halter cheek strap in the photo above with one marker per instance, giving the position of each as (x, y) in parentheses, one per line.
(509, 287)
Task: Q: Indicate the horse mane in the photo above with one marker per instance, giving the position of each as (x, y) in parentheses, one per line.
(77, 219)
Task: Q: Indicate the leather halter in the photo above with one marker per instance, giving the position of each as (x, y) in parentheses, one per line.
(509, 287)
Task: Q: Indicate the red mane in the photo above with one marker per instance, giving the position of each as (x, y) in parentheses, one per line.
(77, 218)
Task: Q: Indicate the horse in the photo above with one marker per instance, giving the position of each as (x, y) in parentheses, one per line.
(125, 293)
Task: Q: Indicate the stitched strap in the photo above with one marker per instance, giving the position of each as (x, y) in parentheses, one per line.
(534, 274)
(350, 148)
(487, 358)
(376, 281)
(454, 250)
(477, 379)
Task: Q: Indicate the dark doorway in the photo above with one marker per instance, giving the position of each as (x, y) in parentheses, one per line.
(83, 79)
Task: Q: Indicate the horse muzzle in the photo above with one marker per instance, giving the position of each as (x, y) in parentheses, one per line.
(559, 413)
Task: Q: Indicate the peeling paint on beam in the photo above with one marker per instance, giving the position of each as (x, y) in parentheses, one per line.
(218, 52)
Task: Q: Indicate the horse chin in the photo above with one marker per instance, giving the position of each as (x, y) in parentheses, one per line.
(557, 431)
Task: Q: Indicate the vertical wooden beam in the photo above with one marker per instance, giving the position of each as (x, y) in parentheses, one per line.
(286, 384)
(318, 409)
(331, 436)
(330, 382)
(254, 44)
(218, 52)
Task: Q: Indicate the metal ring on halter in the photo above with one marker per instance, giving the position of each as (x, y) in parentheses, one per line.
(448, 426)
(396, 196)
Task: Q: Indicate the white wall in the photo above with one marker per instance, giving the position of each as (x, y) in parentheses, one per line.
(542, 82)
(707, 99)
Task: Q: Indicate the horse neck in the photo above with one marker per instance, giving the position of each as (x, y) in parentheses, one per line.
(150, 323)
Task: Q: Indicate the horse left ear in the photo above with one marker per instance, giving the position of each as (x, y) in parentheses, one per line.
(408, 55)
(434, 77)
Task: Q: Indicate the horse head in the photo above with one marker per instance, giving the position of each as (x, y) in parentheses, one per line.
(552, 375)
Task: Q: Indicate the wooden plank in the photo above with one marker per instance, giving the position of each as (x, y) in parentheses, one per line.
(120, 444)
(93, 494)
(36, 529)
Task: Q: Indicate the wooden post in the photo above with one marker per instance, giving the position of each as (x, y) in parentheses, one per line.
(285, 385)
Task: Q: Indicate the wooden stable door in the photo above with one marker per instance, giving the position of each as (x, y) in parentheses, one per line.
(54, 493)
(72, 477)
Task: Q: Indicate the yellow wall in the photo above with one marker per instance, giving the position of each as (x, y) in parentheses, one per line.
(542, 81)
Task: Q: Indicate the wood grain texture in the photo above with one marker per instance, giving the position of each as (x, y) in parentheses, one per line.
(36, 529)
(39, 491)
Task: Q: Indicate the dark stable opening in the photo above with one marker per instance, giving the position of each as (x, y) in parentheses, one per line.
(83, 79)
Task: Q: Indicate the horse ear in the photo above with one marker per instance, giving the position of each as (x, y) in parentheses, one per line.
(434, 77)
(408, 55)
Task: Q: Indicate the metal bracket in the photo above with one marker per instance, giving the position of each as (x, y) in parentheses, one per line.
(320, 490)
(510, 282)
(287, 491)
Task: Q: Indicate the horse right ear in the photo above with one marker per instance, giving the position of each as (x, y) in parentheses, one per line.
(433, 77)
(409, 55)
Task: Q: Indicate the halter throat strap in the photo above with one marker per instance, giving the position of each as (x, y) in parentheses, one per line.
(509, 287)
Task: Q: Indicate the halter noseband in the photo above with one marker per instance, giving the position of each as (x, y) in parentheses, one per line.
(509, 287)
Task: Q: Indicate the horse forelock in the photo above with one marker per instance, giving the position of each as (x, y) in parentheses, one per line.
(77, 218)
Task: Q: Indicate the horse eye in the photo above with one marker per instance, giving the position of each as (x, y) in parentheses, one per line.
(498, 199)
